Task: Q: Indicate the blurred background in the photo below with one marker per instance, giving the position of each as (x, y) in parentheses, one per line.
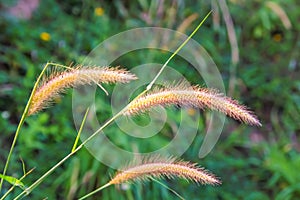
(255, 44)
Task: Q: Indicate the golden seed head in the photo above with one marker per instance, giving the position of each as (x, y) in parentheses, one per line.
(164, 167)
(192, 96)
(57, 82)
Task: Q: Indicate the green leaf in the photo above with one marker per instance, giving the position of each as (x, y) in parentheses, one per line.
(13, 181)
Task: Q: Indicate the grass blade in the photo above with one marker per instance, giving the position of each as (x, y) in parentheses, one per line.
(95, 191)
(80, 130)
(168, 188)
(12, 180)
(21, 123)
(14, 185)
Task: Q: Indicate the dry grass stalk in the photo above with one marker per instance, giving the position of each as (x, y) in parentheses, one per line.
(194, 96)
(170, 168)
(58, 82)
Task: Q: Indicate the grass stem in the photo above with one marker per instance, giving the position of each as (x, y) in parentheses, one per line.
(12, 187)
(168, 188)
(175, 52)
(80, 129)
(95, 191)
(21, 123)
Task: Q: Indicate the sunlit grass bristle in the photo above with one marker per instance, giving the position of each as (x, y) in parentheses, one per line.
(192, 96)
(58, 81)
(164, 167)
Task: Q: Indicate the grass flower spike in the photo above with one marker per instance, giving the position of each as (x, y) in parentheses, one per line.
(194, 96)
(58, 82)
(158, 167)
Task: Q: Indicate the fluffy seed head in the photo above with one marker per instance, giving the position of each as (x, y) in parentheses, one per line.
(161, 167)
(58, 82)
(192, 96)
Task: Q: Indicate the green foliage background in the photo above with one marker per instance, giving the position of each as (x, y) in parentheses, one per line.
(253, 163)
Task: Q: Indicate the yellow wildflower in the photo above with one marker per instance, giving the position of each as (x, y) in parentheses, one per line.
(277, 37)
(99, 11)
(45, 36)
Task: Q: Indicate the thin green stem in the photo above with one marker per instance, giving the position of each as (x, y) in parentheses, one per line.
(108, 184)
(37, 182)
(24, 115)
(175, 52)
(80, 129)
(167, 187)
(23, 166)
(95, 191)
(59, 65)
(12, 187)
(108, 122)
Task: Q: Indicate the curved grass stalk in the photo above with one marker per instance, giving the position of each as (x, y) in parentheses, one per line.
(24, 114)
(37, 182)
(22, 122)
